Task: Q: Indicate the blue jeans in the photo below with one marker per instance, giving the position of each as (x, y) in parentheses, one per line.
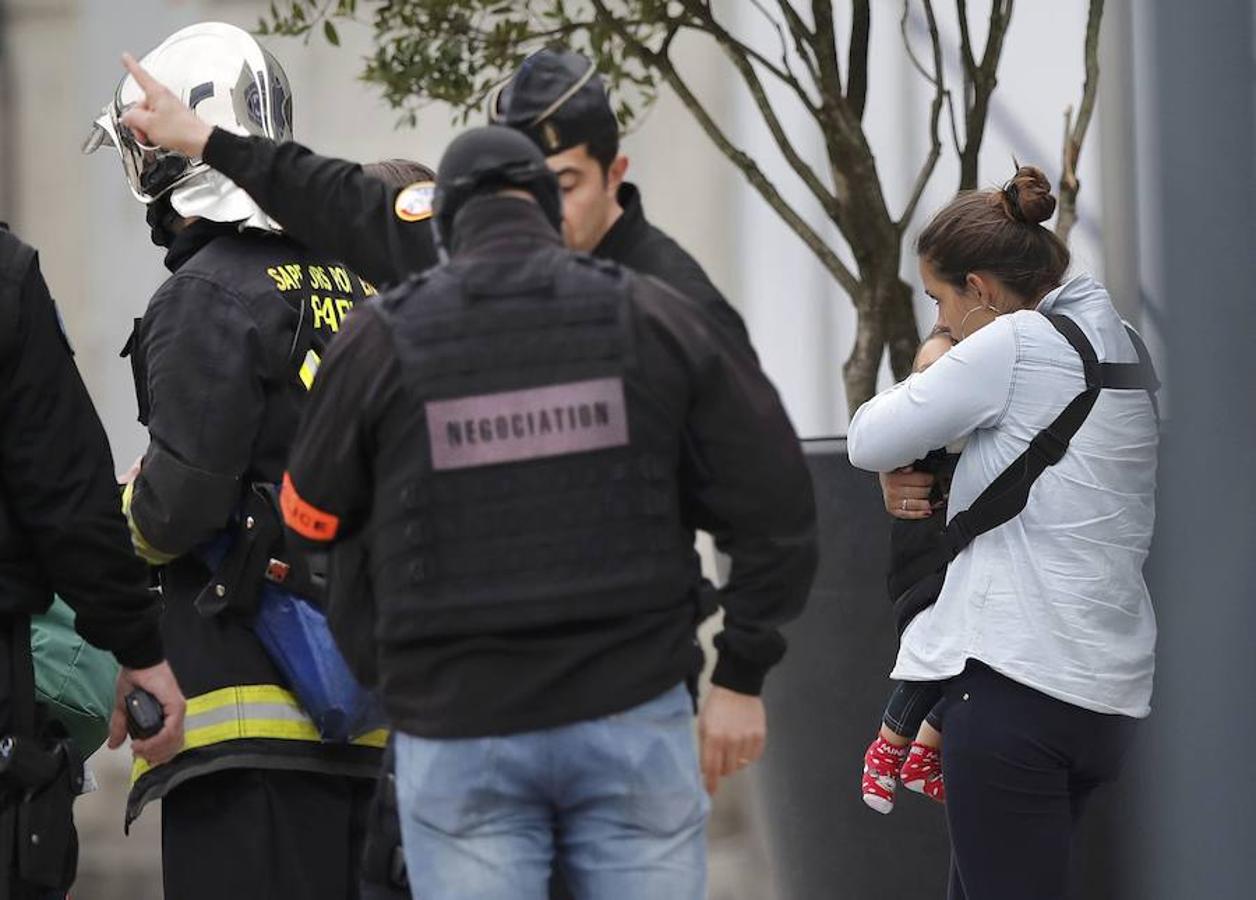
(617, 802)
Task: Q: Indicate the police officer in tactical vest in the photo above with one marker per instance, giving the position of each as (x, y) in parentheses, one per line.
(525, 438)
(258, 805)
(60, 531)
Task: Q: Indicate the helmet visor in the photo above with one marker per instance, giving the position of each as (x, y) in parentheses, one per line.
(150, 171)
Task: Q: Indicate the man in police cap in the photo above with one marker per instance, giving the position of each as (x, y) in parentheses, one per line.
(61, 531)
(258, 805)
(526, 438)
(558, 100)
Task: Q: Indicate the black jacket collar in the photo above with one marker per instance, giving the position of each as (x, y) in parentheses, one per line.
(496, 226)
(628, 229)
(189, 241)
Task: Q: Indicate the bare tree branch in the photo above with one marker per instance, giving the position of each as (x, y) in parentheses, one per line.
(702, 12)
(1076, 134)
(733, 50)
(825, 42)
(799, 48)
(965, 39)
(804, 39)
(935, 111)
(979, 82)
(857, 60)
(662, 62)
(843, 132)
(932, 77)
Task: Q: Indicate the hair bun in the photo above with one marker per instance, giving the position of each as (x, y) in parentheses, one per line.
(1027, 197)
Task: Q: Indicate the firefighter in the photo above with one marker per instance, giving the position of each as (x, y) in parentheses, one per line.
(257, 805)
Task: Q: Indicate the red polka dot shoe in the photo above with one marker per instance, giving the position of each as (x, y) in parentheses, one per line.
(922, 772)
(880, 774)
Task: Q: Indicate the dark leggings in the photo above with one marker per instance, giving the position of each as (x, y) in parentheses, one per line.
(1019, 767)
(914, 702)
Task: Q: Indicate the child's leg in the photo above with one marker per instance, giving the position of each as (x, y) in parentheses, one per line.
(910, 703)
(885, 756)
(928, 736)
(922, 770)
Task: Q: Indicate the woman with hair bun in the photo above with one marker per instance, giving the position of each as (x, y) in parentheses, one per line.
(1042, 634)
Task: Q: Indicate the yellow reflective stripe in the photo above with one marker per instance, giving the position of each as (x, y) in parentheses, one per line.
(309, 368)
(376, 738)
(241, 695)
(250, 711)
(142, 547)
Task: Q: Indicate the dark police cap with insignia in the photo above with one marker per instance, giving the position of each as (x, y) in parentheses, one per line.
(557, 99)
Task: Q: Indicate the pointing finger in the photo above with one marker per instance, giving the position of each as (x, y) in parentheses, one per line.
(150, 85)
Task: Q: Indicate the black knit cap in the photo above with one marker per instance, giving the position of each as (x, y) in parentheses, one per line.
(557, 99)
(487, 159)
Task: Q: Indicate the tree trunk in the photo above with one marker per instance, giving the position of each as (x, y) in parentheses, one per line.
(859, 373)
(885, 319)
(902, 335)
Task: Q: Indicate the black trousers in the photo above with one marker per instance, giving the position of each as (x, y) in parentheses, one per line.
(254, 834)
(1019, 768)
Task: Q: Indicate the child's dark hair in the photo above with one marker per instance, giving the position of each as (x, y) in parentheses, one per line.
(999, 231)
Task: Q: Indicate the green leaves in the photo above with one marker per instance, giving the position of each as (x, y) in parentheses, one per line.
(458, 51)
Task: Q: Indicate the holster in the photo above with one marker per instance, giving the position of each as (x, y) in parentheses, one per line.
(253, 552)
(41, 772)
(383, 863)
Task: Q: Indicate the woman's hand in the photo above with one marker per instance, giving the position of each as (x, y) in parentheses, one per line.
(906, 493)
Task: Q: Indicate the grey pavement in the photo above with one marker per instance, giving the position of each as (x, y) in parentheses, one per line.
(117, 867)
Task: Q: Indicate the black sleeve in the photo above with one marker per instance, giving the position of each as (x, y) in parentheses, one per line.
(687, 277)
(330, 205)
(744, 480)
(206, 388)
(329, 484)
(57, 476)
(656, 254)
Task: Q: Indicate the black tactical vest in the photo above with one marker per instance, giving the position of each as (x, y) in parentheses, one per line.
(532, 481)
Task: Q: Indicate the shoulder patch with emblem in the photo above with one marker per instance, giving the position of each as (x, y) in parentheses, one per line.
(414, 203)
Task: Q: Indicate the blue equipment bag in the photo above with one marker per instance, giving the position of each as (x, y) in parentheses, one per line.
(248, 580)
(299, 643)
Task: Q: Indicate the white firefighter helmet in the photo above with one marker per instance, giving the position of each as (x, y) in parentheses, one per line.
(231, 82)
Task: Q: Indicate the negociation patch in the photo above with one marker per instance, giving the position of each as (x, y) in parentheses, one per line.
(513, 426)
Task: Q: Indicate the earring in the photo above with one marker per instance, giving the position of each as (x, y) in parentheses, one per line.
(964, 320)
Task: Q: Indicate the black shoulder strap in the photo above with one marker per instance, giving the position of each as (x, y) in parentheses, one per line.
(1007, 495)
(1147, 379)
